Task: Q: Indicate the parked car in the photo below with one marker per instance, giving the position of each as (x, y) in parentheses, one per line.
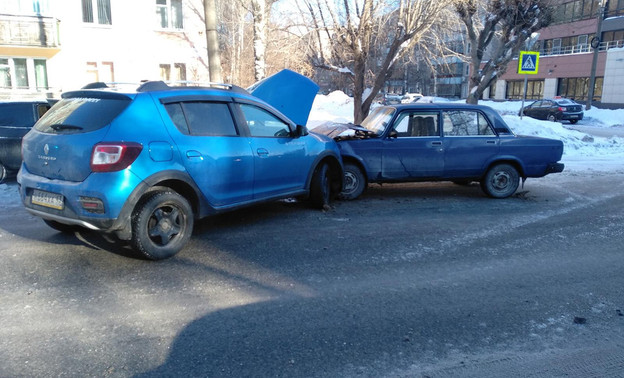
(410, 97)
(440, 142)
(146, 164)
(16, 119)
(558, 109)
(391, 99)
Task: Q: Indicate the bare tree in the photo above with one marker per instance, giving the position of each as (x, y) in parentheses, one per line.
(212, 41)
(506, 26)
(346, 32)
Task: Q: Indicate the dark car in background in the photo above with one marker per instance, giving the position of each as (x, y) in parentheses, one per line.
(16, 119)
(440, 142)
(557, 109)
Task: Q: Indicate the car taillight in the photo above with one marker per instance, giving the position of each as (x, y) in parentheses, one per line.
(112, 157)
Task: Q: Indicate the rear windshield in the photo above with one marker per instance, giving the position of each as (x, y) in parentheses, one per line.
(80, 115)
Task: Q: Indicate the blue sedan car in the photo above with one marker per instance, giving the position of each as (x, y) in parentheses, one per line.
(144, 164)
(440, 142)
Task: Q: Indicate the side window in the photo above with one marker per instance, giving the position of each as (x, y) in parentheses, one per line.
(261, 123)
(466, 123)
(417, 124)
(202, 118)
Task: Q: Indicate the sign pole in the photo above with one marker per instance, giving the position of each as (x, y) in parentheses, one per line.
(526, 84)
(528, 64)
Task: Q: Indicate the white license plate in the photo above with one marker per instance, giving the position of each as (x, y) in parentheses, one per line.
(573, 116)
(47, 199)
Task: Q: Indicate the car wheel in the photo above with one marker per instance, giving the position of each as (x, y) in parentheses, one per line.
(354, 182)
(552, 118)
(501, 181)
(573, 121)
(320, 187)
(162, 224)
(62, 227)
(3, 173)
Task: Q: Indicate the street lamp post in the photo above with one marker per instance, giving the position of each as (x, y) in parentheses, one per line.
(595, 43)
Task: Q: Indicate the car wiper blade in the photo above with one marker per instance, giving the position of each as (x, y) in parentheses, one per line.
(60, 126)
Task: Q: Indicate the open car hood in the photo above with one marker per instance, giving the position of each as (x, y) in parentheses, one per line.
(289, 92)
(341, 130)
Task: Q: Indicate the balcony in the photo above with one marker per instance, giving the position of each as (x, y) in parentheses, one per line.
(29, 31)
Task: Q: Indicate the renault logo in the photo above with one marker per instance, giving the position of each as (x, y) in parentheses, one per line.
(46, 149)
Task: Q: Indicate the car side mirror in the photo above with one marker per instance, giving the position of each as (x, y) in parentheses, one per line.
(301, 131)
(393, 134)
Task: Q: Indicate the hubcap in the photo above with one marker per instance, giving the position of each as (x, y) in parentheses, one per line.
(350, 182)
(501, 180)
(164, 225)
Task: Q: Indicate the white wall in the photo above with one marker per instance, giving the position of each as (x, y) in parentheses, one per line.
(133, 43)
(612, 91)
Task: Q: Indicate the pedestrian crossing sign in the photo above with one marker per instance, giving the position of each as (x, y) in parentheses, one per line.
(528, 62)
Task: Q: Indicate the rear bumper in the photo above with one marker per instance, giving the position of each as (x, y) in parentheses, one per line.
(554, 168)
(572, 116)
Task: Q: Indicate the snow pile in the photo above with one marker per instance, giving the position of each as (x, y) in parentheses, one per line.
(336, 107)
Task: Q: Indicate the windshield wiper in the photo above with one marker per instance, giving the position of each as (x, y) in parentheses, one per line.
(58, 127)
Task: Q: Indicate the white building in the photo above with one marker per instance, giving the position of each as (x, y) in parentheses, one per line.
(51, 46)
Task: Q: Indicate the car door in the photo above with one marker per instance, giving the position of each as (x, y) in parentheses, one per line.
(469, 143)
(280, 162)
(413, 148)
(214, 153)
(533, 109)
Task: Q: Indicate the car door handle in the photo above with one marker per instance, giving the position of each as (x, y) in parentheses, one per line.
(491, 142)
(192, 154)
(436, 143)
(262, 152)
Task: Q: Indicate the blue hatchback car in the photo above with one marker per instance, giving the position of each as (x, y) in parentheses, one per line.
(145, 164)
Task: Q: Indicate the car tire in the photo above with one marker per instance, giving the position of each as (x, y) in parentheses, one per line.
(501, 181)
(3, 173)
(354, 182)
(573, 121)
(320, 187)
(162, 224)
(552, 118)
(62, 227)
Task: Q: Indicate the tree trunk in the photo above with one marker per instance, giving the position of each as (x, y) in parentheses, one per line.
(212, 41)
(259, 13)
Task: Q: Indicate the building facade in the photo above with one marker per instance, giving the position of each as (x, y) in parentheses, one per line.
(579, 29)
(51, 46)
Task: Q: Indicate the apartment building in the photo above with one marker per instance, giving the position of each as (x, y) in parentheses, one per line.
(566, 50)
(51, 46)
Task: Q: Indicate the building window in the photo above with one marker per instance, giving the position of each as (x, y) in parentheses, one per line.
(100, 72)
(41, 74)
(97, 11)
(576, 88)
(5, 74)
(173, 72)
(515, 89)
(575, 10)
(17, 73)
(169, 14)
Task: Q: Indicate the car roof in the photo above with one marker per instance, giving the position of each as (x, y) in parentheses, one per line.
(437, 106)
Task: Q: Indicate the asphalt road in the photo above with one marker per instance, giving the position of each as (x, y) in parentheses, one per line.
(418, 280)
